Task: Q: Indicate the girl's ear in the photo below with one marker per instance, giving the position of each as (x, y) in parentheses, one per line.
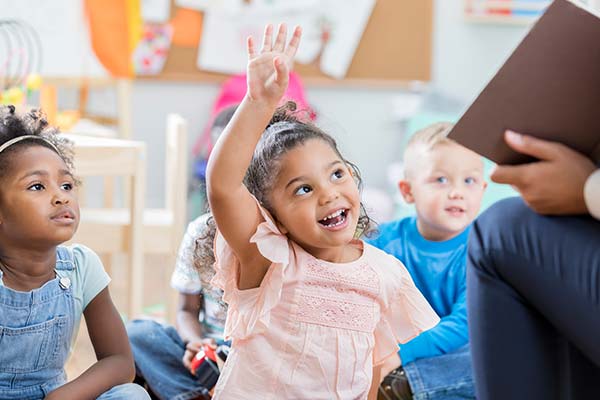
(352, 173)
(406, 191)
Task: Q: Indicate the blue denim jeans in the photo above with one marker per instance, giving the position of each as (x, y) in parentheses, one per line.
(128, 391)
(158, 352)
(35, 335)
(447, 377)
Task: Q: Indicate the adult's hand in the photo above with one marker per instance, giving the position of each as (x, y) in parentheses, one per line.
(554, 184)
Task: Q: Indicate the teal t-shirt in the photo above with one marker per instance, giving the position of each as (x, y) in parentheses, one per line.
(88, 278)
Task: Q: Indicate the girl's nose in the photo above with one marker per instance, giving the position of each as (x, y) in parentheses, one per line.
(60, 199)
(329, 196)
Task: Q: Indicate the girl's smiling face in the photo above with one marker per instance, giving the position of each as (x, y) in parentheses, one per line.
(38, 199)
(316, 200)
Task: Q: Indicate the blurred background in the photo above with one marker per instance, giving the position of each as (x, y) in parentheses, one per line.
(138, 84)
(373, 71)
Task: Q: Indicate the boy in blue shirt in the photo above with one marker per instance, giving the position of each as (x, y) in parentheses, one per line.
(445, 183)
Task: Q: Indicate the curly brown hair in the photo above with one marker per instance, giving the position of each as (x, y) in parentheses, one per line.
(33, 123)
(203, 254)
(287, 130)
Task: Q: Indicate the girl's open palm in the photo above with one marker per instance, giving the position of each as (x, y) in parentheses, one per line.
(268, 71)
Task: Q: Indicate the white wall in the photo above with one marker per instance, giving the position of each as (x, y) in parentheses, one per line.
(467, 54)
(359, 118)
(465, 57)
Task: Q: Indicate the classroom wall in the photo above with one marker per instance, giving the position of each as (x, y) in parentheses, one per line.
(465, 57)
(466, 54)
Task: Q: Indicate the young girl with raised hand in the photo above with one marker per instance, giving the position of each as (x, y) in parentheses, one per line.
(45, 287)
(313, 312)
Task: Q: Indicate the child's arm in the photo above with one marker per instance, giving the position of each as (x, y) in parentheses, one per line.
(233, 207)
(115, 361)
(189, 327)
(380, 371)
(375, 381)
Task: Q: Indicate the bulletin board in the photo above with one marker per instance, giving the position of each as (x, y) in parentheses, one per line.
(395, 48)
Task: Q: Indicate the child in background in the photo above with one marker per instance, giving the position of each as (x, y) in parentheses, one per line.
(313, 312)
(162, 353)
(232, 92)
(46, 287)
(445, 182)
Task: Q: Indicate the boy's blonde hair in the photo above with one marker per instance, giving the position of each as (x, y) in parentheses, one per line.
(425, 139)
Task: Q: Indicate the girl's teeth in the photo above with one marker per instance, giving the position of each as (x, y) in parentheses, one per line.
(335, 214)
(337, 223)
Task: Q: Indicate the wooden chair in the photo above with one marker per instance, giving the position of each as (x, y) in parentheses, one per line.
(106, 230)
(121, 119)
(106, 157)
(82, 121)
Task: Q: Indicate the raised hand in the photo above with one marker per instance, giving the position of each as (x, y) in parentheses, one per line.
(268, 71)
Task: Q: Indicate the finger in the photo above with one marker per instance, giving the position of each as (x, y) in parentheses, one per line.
(194, 346)
(267, 39)
(281, 71)
(281, 37)
(251, 48)
(508, 174)
(210, 342)
(187, 359)
(538, 148)
(292, 47)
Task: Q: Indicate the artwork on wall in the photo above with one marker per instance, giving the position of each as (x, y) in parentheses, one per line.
(332, 30)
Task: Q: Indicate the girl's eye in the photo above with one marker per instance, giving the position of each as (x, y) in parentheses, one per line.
(302, 190)
(338, 174)
(470, 181)
(442, 179)
(67, 186)
(36, 187)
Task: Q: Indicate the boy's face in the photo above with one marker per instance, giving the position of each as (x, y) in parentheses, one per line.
(446, 185)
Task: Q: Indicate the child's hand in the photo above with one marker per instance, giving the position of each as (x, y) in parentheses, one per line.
(192, 348)
(268, 71)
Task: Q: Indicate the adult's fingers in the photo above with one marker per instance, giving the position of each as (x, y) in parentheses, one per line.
(509, 174)
(538, 148)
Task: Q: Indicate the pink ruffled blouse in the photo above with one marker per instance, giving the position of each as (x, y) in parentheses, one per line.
(313, 329)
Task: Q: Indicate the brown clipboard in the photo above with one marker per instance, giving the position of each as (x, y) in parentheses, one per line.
(548, 88)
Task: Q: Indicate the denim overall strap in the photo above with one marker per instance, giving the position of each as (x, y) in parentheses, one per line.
(36, 328)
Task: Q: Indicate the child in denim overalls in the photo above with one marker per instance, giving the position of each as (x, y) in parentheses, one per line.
(45, 287)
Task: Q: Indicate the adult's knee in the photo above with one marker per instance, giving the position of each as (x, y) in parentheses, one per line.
(502, 230)
(502, 225)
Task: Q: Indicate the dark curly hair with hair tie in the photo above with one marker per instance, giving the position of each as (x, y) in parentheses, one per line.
(287, 130)
(33, 123)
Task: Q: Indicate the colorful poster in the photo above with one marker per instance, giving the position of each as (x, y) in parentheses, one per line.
(151, 53)
(332, 30)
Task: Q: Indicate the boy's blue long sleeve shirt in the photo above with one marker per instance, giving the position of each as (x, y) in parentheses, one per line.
(439, 272)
